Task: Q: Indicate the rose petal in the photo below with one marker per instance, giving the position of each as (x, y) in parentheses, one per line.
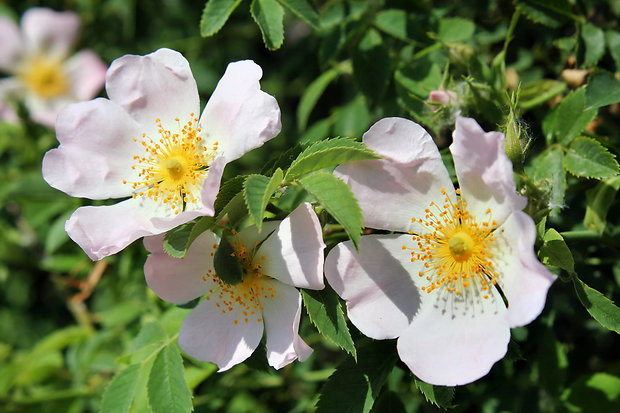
(159, 85)
(86, 74)
(281, 315)
(105, 230)
(402, 141)
(11, 42)
(208, 334)
(95, 153)
(239, 116)
(179, 280)
(450, 343)
(294, 251)
(48, 32)
(394, 190)
(376, 283)
(484, 171)
(390, 194)
(522, 278)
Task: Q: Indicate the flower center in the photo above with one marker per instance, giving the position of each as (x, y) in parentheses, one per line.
(45, 77)
(455, 249)
(460, 245)
(245, 297)
(174, 166)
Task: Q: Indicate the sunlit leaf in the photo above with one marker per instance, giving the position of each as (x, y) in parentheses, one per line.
(336, 197)
(588, 158)
(215, 15)
(268, 14)
(167, 390)
(326, 314)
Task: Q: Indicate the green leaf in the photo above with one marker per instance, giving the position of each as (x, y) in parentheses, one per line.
(336, 197)
(594, 40)
(569, 118)
(167, 390)
(282, 160)
(599, 392)
(304, 10)
(538, 92)
(226, 264)
(202, 225)
(257, 190)
(393, 22)
(547, 169)
(601, 308)
(554, 251)
(548, 12)
(176, 241)
(215, 15)
(388, 402)
(419, 77)
(328, 153)
(150, 333)
(311, 96)
(613, 43)
(371, 65)
(455, 29)
(268, 15)
(588, 158)
(326, 314)
(353, 387)
(440, 396)
(602, 89)
(121, 391)
(598, 202)
(227, 192)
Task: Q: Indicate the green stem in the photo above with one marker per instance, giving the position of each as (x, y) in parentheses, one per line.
(583, 235)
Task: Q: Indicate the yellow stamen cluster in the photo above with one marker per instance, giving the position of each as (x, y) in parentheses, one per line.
(245, 297)
(44, 77)
(455, 249)
(175, 165)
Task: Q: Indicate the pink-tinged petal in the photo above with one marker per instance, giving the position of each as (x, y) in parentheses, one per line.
(484, 171)
(402, 141)
(451, 343)
(209, 334)
(240, 116)
(86, 74)
(95, 153)
(179, 280)
(45, 111)
(392, 191)
(211, 185)
(445, 97)
(522, 278)
(105, 230)
(159, 85)
(48, 32)
(281, 316)
(390, 194)
(11, 42)
(294, 251)
(376, 283)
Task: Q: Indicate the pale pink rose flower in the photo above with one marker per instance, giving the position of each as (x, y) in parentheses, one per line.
(228, 323)
(43, 74)
(436, 285)
(147, 143)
